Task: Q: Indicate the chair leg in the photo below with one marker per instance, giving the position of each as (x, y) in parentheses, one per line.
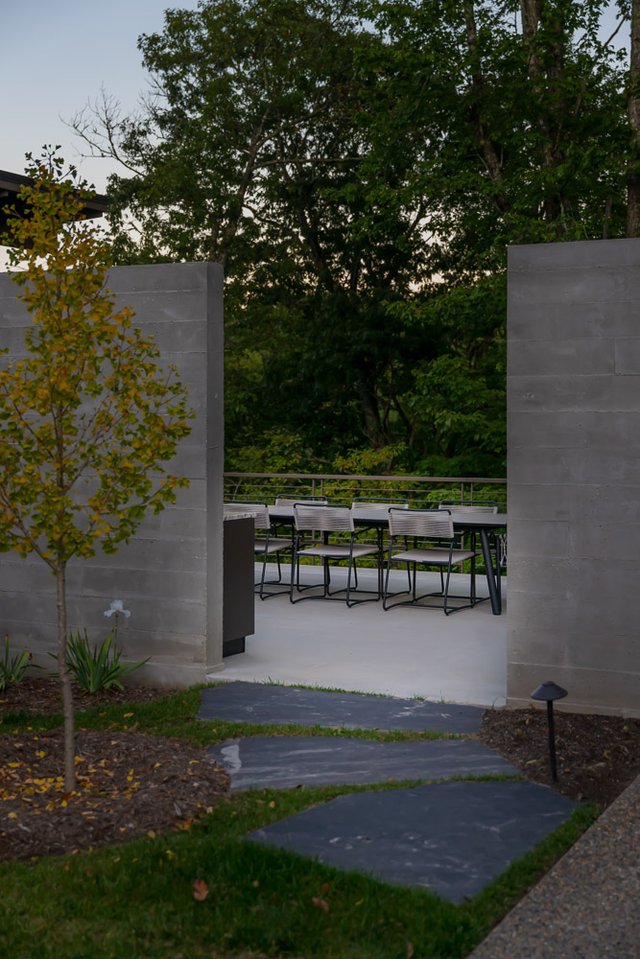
(295, 566)
(446, 591)
(385, 588)
(264, 570)
(472, 574)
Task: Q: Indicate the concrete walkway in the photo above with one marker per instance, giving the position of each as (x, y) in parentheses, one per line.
(588, 905)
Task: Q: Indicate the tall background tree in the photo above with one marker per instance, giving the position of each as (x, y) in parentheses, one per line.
(89, 417)
(360, 168)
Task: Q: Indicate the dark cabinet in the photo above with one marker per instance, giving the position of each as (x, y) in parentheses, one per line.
(238, 599)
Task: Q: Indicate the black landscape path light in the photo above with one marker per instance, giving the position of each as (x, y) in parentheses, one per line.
(547, 693)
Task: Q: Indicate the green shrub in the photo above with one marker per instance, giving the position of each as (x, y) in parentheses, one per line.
(97, 668)
(12, 668)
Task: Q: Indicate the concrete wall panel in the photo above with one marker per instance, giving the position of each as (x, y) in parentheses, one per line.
(587, 355)
(591, 690)
(573, 398)
(573, 393)
(592, 257)
(170, 574)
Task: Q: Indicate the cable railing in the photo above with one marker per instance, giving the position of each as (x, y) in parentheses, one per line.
(418, 491)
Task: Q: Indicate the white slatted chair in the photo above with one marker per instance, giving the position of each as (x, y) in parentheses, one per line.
(327, 533)
(453, 506)
(467, 506)
(382, 508)
(434, 545)
(266, 545)
(291, 501)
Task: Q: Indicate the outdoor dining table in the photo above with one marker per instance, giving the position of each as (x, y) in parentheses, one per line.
(486, 525)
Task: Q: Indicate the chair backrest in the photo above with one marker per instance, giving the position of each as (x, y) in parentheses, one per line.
(259, 511)
(435, 524)
(322, 518)
(382, 505)
(458, 507)
(291, 501)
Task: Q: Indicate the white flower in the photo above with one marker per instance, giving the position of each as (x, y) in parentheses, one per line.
(117, 607)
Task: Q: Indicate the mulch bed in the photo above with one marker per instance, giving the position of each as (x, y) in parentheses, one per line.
(132, 785)
(43, 696)
(129, 784)
(597, 756)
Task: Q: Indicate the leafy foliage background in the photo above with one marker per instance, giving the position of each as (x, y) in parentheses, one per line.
(360, 169)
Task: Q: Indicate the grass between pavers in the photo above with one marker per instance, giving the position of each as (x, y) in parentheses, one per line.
(175, 716)
(136, 900)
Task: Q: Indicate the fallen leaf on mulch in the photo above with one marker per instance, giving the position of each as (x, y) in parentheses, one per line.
(128, 785)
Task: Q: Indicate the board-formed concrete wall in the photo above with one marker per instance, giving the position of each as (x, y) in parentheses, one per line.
(574, 473)
(170, 575)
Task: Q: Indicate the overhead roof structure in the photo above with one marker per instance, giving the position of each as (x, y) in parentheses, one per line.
(10, 184)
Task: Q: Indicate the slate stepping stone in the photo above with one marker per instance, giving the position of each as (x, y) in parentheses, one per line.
(274, 705)
(451, 838)
(283, 762)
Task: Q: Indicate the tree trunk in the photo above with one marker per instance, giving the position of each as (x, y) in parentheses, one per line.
(372, 425)
(483, 138)
(65, 680)
(554, 204)
(633, 108)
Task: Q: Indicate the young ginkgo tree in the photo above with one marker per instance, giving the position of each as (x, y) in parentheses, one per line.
(88, 414)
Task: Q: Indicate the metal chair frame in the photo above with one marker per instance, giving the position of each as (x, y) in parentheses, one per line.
(314, 524)
(484, 506)
(434, 544)
(265, 546)
(382, 506)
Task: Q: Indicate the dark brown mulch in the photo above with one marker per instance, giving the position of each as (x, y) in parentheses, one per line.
(129, 784)
(42, 695)
(132, 785)
(597, 756)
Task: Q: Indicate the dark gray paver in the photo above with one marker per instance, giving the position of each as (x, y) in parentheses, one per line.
(262, 703)
(586, 906)
(452, 838)
(283, 762)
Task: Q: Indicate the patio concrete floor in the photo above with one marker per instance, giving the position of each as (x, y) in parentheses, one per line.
(461, 658)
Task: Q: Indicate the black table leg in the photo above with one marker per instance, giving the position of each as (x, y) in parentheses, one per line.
(495, 588)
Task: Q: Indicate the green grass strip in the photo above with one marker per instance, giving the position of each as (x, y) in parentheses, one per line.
(175, 716)
(136, 901)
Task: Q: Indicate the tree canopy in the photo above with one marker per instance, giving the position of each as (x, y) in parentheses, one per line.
(360, 168)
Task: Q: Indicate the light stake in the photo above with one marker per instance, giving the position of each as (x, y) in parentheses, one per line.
(548, 692)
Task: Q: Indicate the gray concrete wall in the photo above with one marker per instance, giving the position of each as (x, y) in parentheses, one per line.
(574, 473)
(170, 574)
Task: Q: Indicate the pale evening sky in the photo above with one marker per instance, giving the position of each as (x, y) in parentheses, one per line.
(56, 56)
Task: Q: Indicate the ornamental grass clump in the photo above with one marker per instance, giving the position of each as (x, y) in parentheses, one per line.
(13, 668)
(98, 667)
